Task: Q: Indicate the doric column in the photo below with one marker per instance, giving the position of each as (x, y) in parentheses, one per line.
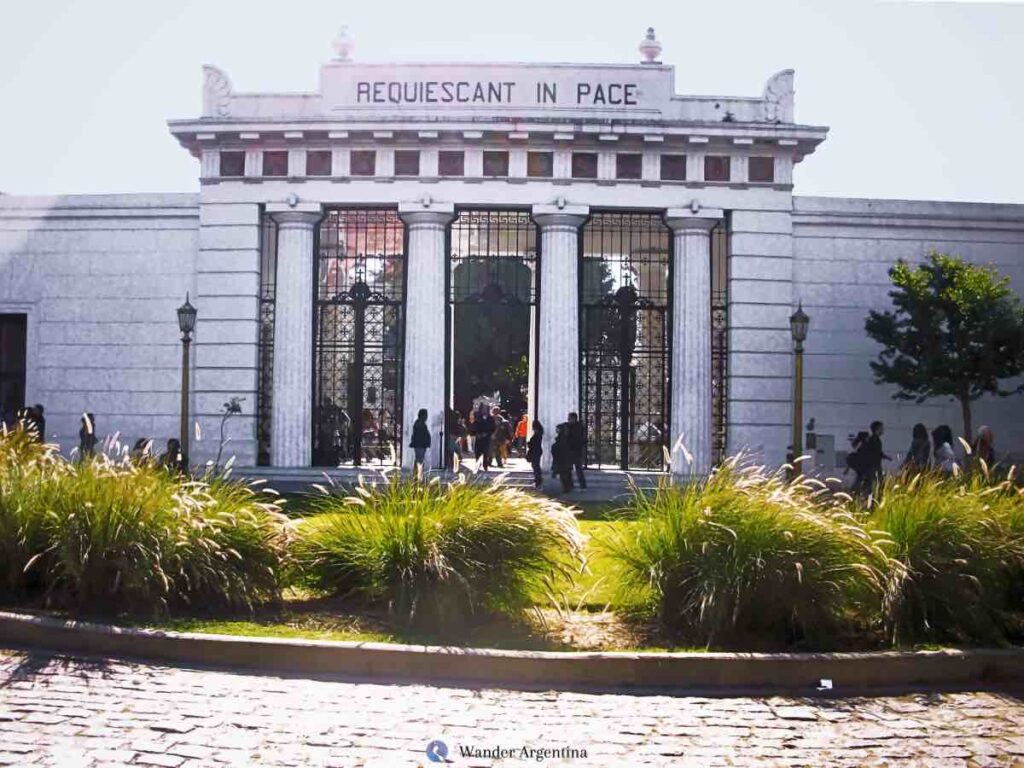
(691, 338)
(558, 346)
(423, 379)
(291, 421)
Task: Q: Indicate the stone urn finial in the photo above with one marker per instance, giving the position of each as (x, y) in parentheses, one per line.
(343, 44)
(649, 48)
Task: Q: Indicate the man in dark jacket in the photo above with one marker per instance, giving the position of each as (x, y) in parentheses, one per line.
(420, 441)
(561, 457)
(483, 431)
(576, 442)
(873, 456)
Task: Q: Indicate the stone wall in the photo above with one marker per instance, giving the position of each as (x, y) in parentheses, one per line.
(843, 249)
(100, 278)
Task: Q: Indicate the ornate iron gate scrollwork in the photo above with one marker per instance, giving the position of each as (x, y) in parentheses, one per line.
(358, 337)
(625, 306)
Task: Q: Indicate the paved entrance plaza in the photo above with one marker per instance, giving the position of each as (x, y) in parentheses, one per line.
(77, 712)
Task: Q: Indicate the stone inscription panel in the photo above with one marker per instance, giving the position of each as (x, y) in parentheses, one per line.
(347, 87)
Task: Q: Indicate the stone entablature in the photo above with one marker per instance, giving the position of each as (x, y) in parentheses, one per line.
(552, 107)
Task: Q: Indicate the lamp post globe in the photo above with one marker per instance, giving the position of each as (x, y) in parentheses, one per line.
(186, 318)
(186, 324)
(798, 325)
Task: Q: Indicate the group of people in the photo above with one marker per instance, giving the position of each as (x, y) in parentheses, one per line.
(33, 421)
(926, 452)
(489, 435)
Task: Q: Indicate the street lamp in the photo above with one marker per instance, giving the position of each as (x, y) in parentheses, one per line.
(186, 324)
(798, 323)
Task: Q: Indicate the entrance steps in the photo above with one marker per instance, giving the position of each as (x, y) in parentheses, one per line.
(603, 485)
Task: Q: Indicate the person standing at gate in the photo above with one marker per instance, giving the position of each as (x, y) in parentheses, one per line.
(562, 457)
(534, 450)
(576, 437)
(483, 430)
(420, 441)
(500, 436)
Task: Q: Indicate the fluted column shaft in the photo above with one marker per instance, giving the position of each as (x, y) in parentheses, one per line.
(291, 421)
(691, 341)
(558, 346)
(423, 379)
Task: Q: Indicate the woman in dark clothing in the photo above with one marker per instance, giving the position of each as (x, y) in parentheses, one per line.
(534, 450)
(920, 452)
(420, 440)
(87, 437)
(561, 457)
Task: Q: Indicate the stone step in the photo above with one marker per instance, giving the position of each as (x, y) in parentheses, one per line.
(602, 484)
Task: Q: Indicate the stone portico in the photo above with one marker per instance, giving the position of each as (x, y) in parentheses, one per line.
(561, 142)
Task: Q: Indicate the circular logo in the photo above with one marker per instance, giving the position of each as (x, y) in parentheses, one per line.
(437, 751)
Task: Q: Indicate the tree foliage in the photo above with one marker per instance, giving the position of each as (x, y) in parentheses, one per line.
(956, 330)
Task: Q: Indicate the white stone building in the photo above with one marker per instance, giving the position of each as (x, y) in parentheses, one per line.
(649, 246)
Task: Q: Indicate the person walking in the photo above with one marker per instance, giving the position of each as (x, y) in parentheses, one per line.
(483, 431)
(534, 450)
(942, 446)
(87, 437)
(562, 457)
(576, 437)
(420, 441)
(455, 433)
(855, 460)
(521, 430)
(171, 459)
(874, 457)
(918, 457)
(984, 449)
(501, 436)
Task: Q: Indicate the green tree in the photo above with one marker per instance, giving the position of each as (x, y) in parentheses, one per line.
(956, 330)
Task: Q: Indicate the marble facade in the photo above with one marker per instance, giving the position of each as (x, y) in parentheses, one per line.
(99, 276)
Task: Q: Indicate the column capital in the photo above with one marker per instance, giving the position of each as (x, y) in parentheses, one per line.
(298, 215)
(426, 214)
(687, 219)
(568, 216)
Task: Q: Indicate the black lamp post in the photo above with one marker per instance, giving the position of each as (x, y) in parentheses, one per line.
(798, 323)
(186, 324)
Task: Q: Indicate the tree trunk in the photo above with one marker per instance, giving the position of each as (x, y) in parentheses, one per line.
(965, 407)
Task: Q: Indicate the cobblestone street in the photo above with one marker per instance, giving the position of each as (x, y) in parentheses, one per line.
(75, 712)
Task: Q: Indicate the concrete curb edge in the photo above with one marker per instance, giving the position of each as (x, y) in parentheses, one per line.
(521, 669)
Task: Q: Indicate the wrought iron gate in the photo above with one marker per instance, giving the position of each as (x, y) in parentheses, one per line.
(358, 337)
(719, 341)
(625, 308)
(265, 363)
(492, 294)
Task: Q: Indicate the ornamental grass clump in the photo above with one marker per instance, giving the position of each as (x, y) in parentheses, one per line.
(954, 551)
(436, 554)
(22, 461)
(104, 536)
(743, 559)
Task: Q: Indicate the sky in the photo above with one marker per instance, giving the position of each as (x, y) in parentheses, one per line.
(920, 97)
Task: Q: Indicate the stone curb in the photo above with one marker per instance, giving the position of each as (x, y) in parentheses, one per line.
(849, 672)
